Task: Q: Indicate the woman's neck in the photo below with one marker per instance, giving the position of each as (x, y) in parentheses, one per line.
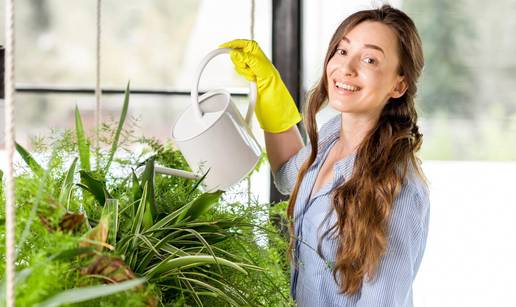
(353, 130)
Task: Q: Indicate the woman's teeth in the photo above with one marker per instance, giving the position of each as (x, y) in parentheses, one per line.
(346, 87)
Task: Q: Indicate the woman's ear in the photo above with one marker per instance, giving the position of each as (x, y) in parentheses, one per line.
(400, 88)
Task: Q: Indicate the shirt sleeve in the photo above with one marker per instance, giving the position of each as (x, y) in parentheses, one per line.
(285, 177)
(392, 285)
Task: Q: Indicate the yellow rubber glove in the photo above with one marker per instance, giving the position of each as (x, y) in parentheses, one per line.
(275, 109)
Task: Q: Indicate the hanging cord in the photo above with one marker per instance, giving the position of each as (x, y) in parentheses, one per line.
(97, 84)
(251, 28)
(253, 8)
(10, 199)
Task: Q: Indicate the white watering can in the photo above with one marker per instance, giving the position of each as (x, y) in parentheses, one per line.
(213, 136)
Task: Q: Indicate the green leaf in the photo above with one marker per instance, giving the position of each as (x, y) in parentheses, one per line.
(82, 141)
(136, 189)
(119, 129)
(151, 210)
(96, 187)
(110, 210)
(191, 261)
(137, 224)
(33, 165)
(216, 290)
(166, 220)
(198, 206)
(77, 295)
(67, 186)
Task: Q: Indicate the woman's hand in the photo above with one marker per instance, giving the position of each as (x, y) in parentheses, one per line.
(275, 109)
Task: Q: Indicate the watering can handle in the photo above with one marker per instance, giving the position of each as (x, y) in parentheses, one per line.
(195, 87)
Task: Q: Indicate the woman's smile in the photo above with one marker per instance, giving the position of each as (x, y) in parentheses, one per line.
(345, 88)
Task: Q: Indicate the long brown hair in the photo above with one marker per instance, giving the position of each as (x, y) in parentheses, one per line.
(364, 202)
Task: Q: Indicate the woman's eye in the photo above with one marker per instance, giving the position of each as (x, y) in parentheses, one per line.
(341, 52)
(370, 60)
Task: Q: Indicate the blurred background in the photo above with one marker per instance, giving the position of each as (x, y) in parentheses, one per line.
(466, 103)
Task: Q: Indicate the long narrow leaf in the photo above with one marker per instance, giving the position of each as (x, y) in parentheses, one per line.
(200, 205)
(67, 186)
(230, 288)
(31, 162)
(136, 189)
(165, 221)
(197, 260)
(212, 288)
(194, 293)
(119, 129)
(94, 186)
(151, 210)
(137, 224)
(110, 210)
(88, 293)
(82, 142)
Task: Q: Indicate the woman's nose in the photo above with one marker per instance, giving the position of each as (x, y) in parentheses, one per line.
(348, 66)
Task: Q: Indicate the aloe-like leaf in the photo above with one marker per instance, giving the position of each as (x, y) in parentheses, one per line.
(200, 205)
(67, 186)
(151, 210)
(31, 162)
(148, 178)
(82, 142)
(119, 129)
(77, 295)
(176, 263)
(96, 187)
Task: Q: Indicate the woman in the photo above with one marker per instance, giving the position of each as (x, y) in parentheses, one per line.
(359, 204)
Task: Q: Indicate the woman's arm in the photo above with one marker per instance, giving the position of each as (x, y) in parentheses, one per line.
(282, 146)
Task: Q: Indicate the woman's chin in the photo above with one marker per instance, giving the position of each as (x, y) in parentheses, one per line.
(340, 105)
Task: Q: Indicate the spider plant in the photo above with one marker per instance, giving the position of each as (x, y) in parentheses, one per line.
(158, 229)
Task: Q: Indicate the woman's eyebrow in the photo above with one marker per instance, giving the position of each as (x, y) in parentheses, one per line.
(370, 46)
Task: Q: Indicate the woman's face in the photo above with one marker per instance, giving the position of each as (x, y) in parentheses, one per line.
(362, 73)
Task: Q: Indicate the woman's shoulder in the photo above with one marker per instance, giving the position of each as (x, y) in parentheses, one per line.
(416, 184)
(414, 197)
(331, 128)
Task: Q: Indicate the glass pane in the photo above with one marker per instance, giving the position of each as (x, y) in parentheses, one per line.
(155, 44)
(148, 115)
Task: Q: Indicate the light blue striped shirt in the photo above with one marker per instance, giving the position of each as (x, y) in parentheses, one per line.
(312, 282)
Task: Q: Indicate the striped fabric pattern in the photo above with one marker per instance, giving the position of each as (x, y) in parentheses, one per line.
(312, 281)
